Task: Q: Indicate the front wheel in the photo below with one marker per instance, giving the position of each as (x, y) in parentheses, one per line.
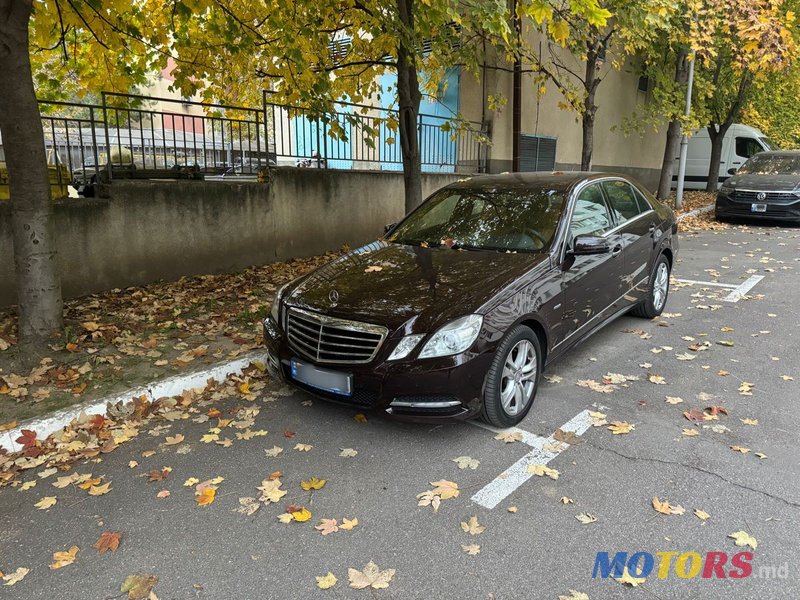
(513, 378)
(657, 292)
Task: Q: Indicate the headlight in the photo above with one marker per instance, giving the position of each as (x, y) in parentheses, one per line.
(453, 338)
(726, 190)
(276, 304)
(405, 346)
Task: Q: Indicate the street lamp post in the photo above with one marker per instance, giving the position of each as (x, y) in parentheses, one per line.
(685, 138)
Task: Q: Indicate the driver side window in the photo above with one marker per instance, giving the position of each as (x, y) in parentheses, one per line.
(590, 215)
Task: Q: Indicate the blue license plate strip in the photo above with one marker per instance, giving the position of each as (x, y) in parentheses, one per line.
(335, 382)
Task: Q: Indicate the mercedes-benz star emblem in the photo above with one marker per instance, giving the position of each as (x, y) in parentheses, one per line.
(761, 196)
(333, 296)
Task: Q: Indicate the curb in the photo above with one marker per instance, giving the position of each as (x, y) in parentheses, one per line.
(170, 386)
(696, 211)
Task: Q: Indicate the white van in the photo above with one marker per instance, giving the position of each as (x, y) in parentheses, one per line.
(740, 143)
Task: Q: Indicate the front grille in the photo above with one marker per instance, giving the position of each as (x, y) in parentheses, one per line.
(746, 212)
(772, 197)
(330, 340)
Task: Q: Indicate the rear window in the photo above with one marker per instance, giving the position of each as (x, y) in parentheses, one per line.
(772, 164)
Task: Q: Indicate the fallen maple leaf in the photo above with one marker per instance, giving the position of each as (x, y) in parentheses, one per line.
(273, 452)
(348, 524)
(466, 462)
(472, 526)
(694, 415)
(206, 497)
(62, 559)
(620, 427)
(690, 432)
(360, 418)
(674, 400)
(665, 508)
(657, 379)
(301, 515)
(163, 494)
(46, 502)
(471, 549)
(100, 490)
(586, 518)
(701, 514)
(742, 538)
(509, 437)
(327, 581)
(327, 526)
(566, 500)
(373, 269)
(248, 506)
(303, 447)
(574, 595)
(370, 577)
(173, 440)
(16, 576)
(191, 482)
(313, 484)
(543, 470)
(445, 489)
(740, 449)
(348, 452)
(109, 540)
(270, 491)
(749, 421)
(138, 587)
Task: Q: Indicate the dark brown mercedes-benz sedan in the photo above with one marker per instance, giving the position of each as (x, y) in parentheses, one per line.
(459, 308)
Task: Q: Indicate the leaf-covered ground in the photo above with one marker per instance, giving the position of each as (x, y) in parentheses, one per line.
(123, 338)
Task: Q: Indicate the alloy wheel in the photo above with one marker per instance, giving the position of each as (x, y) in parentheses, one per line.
(660, 286)
(519, 377)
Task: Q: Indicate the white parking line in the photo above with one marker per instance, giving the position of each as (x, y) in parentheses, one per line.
(711, 283)
(742, 290)
(509, 480)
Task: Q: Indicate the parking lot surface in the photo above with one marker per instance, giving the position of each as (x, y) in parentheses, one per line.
(736, 465)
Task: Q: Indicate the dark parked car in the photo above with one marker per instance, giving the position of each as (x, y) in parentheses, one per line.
(767, 186)
(460, 307)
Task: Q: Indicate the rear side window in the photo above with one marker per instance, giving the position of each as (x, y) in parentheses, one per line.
(644, 205)
(623, 203)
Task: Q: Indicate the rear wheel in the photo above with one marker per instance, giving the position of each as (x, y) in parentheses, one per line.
(657, 292)
(513, 378)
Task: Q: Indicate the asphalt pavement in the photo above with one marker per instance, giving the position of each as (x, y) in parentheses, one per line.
(538, 551)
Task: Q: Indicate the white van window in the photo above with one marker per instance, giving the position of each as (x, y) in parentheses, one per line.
(768, 143)
(747, 147)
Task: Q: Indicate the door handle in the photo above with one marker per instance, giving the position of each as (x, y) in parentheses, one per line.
(617, 249)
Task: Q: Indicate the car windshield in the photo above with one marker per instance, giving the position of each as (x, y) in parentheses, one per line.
(772, 164)
(491, 218)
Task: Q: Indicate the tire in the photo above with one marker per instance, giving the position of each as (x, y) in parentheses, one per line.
(653, 305)
(523, 386)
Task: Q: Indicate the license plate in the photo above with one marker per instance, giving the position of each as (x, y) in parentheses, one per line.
(323, 379)
(758, 208)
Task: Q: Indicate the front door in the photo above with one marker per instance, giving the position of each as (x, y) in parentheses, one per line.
(592, 284)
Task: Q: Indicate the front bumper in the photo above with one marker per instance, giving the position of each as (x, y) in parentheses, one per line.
(730, 208)
(428, 390)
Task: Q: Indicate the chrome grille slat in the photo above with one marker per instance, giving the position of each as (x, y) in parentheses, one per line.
(329, 339)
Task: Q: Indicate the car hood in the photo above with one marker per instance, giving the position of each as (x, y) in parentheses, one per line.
(765, 183)
(411, 287)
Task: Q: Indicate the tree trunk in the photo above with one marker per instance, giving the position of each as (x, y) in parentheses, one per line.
(409, 97)
(672, 146)
(717, 137)
(589, 110)
(37, 280)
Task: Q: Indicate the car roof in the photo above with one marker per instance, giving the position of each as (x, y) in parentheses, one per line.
(551, 180)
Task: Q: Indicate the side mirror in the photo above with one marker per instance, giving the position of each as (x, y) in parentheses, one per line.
(732, 171)
(584, 245)
(388, 228)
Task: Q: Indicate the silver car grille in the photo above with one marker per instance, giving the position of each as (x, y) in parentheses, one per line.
(330, 340)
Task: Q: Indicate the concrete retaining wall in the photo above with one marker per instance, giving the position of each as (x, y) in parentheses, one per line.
(144, 231)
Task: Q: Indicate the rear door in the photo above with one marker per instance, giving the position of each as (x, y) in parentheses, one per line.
(591, 284)
(636, 223)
